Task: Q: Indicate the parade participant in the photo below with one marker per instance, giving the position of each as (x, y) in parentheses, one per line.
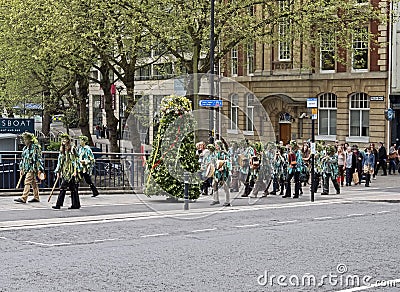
(257, 172)
(330, 170)
(392, 158)
(234, 155)
(202, 153)
(249, 153)
(320, 153)
(86, 160)
(358, 166)
(31, 165)
(67, 169)
(280, 171)
(221, 174)
(295, 167)
(381, 159)
(341, 164)
(368, 165)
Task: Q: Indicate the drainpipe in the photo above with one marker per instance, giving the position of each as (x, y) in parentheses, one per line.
(389, 71)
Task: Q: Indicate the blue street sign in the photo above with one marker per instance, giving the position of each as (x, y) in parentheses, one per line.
(210, 103)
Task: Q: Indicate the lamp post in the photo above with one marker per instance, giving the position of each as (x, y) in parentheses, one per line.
(212, 48)
(119, 88)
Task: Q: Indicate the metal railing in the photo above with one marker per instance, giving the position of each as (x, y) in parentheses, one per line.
(123, 171)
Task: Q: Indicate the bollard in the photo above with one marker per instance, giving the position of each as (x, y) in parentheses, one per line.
(186, 194)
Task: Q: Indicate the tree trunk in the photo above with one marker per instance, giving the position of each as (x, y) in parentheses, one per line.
(47, 111)
(83, 96)
(112, 121)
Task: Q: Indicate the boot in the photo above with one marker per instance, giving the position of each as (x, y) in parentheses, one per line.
(94, 190)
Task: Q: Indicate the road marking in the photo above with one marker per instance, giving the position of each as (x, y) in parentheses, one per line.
(355, 215)
(154, 235)
(382, 212)
(96, 219)
(246, 226)
(1, 237)
(48, 244)
(289, 221)
(107, 239)
(386, 283)
(203, 230)
(323, 218)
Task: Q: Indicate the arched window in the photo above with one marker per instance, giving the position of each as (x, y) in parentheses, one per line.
(359, 114)
(327, 109)
(250, 98)
(234, 111)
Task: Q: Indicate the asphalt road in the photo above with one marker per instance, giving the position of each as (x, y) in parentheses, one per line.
(129, 243)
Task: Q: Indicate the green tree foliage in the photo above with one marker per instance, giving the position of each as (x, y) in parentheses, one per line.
(174, 151)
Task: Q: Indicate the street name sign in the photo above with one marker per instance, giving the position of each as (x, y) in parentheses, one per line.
(312, 102)
(210, 103)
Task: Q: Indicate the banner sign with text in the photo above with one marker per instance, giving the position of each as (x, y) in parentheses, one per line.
(16, 126)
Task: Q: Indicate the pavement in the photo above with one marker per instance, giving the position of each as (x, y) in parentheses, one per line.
(128, 242)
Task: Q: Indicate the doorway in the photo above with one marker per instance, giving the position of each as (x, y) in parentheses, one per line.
(285, 132)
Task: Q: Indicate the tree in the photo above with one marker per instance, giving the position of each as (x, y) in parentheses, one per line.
(174, 152)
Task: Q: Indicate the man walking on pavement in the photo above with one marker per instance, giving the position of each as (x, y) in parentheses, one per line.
(382, 156)
(31, 165)
(86, 160)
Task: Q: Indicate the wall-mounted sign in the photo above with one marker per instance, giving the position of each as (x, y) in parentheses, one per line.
(17, 126)
(376, 98)
(210, 103)
(312, 102)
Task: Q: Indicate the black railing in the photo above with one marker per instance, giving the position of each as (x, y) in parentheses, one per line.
(111, 171)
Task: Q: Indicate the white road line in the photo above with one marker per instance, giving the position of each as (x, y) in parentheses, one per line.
(289, 221)
(247, 226)
(323, 218)
(382, 212)
(355, 215)
(203, 230)
(107, 239)
(99, 219)
(154, 235)
(386, 283)
(1, 237)
(37, 243)
(61, 244)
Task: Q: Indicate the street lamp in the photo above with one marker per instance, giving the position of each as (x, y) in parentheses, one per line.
(119, 88)
(212, 48)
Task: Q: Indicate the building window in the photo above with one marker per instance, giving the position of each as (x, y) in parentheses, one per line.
(360, 49)
(250, 112)
(359, 115)
(250, 58)
(284, 45)
(234, 61)
(234, 111)
(327, 52)
(327, 110)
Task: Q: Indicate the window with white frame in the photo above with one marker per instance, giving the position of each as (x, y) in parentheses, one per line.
(327, 111)
(327, 52)
(250, 99)
(234, 61)
(250, 58)
(284, 44)
(359, 115)
(360, 49)
(234, 111)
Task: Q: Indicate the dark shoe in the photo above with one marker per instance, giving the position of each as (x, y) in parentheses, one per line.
(34, 201)
(244, 195)
(19, 200)
(214, 203)
(337, 192)
(226, 204)
(69, 208)
(324, 194)
(295, 197)
(95, 195)
(285, 196)
(56, 207)
(367, 185)
(273, 193)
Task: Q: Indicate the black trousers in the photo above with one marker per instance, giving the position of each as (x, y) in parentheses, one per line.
(297, 184)
(88, 179)
(326, 177)
(382, 163)
(72, 186)
(278, 184)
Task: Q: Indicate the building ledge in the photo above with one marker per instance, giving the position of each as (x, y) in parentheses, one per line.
(325, 138)
(357, 139)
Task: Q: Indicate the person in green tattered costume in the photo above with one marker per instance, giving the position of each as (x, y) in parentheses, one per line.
(87, 161)
(31, 165)
(67, 169)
